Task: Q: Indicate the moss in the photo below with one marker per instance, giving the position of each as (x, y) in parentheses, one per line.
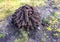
(46, 20)
(49, 29)
(17, 40)
(56, 34)
(58, 20)
(56, 14)
(23, 37)
(2, 35)
(43, 40)
(58, 29)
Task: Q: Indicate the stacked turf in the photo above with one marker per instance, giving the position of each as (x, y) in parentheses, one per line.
(26, 17)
